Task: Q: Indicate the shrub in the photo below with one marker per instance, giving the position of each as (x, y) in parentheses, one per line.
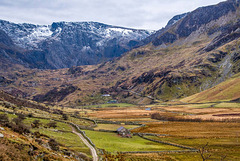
(19, 128)
(30, 115)
(53, 144)
(52, 124)
(64, 116)
(37, 134)
(83, 156)
(3, 119)
(76, 113)
(20, 118)
(10, 151)
(17, 120)
(36, 124)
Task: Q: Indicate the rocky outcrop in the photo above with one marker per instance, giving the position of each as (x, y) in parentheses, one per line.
(55, 95)
(192, 21)
(175, 19)
(5, 39)
(204, 15)
(4, 82)
(228, 34)
(165, 38)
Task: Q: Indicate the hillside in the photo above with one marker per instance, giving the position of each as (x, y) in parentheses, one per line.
(177, 64)
(173, 68)
(226, 91)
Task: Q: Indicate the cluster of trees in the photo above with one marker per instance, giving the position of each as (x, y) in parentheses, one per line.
(16, 124)
(163, 117)
(37, 123)
(158, 116)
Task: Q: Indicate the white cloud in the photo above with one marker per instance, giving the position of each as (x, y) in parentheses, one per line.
(148, 14)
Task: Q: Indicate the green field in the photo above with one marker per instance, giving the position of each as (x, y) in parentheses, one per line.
(111, 142)
(205, 105)
(62, 134)
(60, 125)
(66, 138)
(214, 105)
(80, 121)
(113, 127)
(109, 105)
(227, 105)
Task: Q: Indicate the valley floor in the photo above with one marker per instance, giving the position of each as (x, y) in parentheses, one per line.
(163, 131)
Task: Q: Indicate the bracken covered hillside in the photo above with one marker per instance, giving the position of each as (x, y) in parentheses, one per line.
(196, 51)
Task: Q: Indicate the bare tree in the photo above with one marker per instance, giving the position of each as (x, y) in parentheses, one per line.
(223, 157)
(203, 150)
(52, 124)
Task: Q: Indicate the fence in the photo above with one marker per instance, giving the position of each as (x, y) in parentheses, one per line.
(164, 151)
(168, 143)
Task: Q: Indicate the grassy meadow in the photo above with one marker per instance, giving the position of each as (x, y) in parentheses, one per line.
(111, 142)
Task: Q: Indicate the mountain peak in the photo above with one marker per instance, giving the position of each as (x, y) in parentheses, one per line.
(86, 42)
(176, 19)
(193, 21)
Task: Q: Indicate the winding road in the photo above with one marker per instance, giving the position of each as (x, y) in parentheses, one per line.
(93, 151)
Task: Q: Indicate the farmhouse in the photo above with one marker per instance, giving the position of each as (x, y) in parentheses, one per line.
(122, 131)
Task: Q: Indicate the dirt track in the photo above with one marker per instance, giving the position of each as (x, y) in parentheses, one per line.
(93, 151)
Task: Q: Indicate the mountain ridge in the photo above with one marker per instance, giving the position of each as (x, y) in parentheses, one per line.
(86, 42)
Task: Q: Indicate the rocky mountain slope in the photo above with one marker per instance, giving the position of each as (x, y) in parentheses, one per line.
(67, 44)
(194, 52)
(225, 91)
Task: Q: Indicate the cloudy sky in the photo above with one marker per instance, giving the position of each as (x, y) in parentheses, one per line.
(143, 14)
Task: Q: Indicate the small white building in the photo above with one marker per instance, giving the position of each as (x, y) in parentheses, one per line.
(106, 95)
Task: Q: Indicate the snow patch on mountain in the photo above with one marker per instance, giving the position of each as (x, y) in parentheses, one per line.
(64, 44)
(42, 31)
(30, 36)
(35, 36)
(122, 31)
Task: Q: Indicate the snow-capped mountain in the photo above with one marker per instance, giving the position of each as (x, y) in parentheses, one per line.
(65, 44)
